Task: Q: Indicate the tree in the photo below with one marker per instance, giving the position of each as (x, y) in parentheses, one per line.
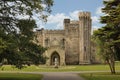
(17, 45)
(9, 9)
(106, 45)
(20, 48)
(109, 35)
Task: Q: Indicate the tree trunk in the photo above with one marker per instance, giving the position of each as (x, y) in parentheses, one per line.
(113, 64)
(113, 60)
(109, 63)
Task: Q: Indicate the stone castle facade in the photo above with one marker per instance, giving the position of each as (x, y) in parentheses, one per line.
(72, 45)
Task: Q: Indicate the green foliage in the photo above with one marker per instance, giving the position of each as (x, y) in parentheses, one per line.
(20, 48)
(20, 76)
(17, 46)
(9, 9)
(108, 37)
(100, 76)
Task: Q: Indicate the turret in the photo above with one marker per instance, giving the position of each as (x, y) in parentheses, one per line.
(84, 37)
(66, 23)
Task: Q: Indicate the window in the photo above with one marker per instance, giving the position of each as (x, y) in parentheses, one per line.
(84, 48)
(46, 42)
(63, 43)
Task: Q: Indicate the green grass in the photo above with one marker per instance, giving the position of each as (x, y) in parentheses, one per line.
(20, 76)
(43, 68)
(100, 76)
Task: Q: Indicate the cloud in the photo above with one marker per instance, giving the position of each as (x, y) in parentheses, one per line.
(95, 27)
(57, 19)
(74, 14)
(99, 10)
(95, 19)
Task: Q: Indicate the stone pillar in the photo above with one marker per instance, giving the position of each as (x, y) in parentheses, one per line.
(84, 37)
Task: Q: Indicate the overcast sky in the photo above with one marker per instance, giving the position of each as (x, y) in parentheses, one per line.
(69, 9)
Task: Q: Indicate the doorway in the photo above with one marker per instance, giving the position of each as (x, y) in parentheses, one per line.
(54, 56)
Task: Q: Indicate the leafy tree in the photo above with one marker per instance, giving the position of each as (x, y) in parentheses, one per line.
(17, 45)
(20, 48)
(106, 45)
(9, 9)
(109, 36)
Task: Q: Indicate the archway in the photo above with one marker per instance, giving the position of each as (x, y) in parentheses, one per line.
(54, 56)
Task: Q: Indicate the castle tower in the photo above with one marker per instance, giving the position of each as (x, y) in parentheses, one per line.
(84, 37)
(72, 45)
(71, 41)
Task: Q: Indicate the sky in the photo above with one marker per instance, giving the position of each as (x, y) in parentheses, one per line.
(69, 9)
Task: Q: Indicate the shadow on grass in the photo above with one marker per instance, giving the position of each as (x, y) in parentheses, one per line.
(100, 76)
(13, 79)
(20, 76)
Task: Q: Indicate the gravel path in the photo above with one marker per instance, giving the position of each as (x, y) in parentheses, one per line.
(58, 75)
(61, 76)
(53, 75)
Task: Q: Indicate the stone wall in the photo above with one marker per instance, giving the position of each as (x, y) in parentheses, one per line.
(73, 43)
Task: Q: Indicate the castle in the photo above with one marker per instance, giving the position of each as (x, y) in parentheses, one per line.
(72, 45)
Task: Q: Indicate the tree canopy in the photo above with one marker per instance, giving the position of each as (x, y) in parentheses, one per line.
(17, 46)
(10, 9)
(108, 37)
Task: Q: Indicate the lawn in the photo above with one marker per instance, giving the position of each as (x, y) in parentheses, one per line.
(43, 68)
(100, 76)
(20, 76)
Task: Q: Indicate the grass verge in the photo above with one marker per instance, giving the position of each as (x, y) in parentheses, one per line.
(67, 68)
(100, 76)
(43, 68)
(20, 76)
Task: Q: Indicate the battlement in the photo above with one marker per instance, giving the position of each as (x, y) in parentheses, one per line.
(47, 31)
(54, 31)
(66, 20)
(71, 22)
(74, 22)
(82, 14)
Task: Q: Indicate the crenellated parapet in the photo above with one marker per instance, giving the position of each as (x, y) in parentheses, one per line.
(46, 31)
(74, 22)
(84, 14)
(73, 43)
(54, 31)
(66, 21)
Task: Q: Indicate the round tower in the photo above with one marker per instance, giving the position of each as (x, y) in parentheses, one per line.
(84, 37)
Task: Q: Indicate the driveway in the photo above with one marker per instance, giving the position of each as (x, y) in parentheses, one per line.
(53, 75)
(61, 76)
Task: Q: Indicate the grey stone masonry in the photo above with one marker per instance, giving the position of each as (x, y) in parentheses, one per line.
(72, 45)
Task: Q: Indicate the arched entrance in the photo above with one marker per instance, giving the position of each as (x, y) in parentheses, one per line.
(54, 56)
